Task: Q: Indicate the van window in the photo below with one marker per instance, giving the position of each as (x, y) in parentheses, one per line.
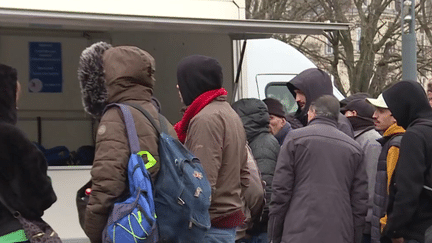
(279, 90)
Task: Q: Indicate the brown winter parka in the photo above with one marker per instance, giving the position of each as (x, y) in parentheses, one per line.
(217, 137)
(129, 79)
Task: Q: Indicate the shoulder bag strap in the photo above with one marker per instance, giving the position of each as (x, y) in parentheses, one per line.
(162, 125)
(130, 127)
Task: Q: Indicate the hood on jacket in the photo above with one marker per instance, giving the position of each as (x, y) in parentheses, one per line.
(407, 102)
(114, 74)
(129, 74)
(254, 115)
(92, 80)
(197, 74)
(8, 86)
(314, 83)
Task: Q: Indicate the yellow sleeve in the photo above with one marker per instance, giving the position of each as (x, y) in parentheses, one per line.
(383, 222)
(392, 158)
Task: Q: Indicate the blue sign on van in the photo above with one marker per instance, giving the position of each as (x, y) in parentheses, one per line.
(45, 67)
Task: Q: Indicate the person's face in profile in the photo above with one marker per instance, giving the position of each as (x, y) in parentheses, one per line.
(276, 124)
(300, 98)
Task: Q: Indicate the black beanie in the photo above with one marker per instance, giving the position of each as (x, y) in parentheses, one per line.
(196, 75)
(274, 107)
(352, 97)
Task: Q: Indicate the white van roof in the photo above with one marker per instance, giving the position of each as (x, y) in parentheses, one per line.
(237, 29)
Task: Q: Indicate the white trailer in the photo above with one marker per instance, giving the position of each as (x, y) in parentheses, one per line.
(168, 29)
(269, 65)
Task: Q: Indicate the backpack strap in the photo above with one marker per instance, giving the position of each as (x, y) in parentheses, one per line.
(162, 128)
(130, 127)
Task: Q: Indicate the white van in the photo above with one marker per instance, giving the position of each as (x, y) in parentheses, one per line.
(269, 65)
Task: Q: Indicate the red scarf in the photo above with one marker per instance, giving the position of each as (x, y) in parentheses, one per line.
(197, 105)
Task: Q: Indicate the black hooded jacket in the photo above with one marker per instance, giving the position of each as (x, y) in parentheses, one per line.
(265, 148)
(24, 183)
(314, 83)
(410, 204)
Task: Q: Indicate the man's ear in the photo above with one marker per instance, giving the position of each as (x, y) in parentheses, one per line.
(354, 113)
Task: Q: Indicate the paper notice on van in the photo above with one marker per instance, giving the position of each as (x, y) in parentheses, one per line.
(45, 74)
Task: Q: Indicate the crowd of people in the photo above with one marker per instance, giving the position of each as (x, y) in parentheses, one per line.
(350, 171)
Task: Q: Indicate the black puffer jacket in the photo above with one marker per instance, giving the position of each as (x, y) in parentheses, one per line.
(24, 183)
(264, 146)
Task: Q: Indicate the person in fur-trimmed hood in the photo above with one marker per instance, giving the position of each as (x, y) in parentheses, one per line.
(24, 183)
(410, 209)
(213, 131)
(308, 86)
(123, 74)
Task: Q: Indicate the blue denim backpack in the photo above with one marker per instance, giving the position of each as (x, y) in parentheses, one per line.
(134, 219)
(182, 191)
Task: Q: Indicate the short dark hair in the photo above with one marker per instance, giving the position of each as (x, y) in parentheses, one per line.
(429, 87)
(327, 106)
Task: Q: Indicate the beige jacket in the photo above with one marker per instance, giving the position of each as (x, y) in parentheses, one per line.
(129, 79)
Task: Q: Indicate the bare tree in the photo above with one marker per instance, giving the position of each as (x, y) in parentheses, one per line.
(370, 62)
(424, 20)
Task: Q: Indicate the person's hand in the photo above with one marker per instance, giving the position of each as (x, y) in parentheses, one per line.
(398, 240)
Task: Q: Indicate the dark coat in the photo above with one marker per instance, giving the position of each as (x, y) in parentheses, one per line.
(264, 146)
(366, 135)
(391, 140)
(319, 187)
(410, 208)
(315, 83)
(24, 183)
(367, 138)
(280, 136)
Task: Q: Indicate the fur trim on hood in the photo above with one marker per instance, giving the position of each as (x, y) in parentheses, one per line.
(91, 76)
